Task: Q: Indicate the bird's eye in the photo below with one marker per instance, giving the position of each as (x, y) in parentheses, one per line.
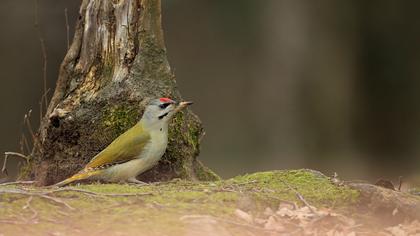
(164, 105)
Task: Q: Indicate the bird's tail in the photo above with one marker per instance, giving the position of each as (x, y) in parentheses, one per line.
(78, 176)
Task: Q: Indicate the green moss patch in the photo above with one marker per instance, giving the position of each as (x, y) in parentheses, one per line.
(314, 186)
(119, 118)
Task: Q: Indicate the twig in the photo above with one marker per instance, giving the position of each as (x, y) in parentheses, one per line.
(400, 180)
(300, 197)
(28, 124)
(25, 142)
(74, 190)
(56, 222)
(41, 109)
(16, 154)
(66, 16)
(224, 190)
(21, 144)
(201, 136)
(125, 194)
(41, 113)
(98, 194)
(17, 182)
(43, 50)
(6, 156)
(4, 169)
(245, 183)
(293, 204)
(41, 195)
(57, 200)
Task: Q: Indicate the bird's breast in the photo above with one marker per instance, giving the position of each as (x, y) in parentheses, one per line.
(157, 146)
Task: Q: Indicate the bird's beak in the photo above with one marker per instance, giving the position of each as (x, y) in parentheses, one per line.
(185, 103)
(182, 105)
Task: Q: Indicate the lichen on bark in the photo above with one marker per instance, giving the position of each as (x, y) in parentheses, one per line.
(116, 63)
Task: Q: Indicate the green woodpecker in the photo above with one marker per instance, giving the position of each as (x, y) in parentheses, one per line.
(136, 150)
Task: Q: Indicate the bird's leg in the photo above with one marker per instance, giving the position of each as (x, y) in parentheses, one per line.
(133, 180)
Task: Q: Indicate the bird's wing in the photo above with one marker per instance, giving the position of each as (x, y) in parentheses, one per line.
(124, 148)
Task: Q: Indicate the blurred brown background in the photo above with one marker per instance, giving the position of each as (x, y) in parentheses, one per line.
(329, 85)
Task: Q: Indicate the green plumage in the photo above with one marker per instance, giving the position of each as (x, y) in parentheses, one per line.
(126, 147)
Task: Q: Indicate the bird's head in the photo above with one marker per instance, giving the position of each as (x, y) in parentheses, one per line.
(161, 110)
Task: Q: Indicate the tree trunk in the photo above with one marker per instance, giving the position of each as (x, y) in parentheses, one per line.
(117, 61)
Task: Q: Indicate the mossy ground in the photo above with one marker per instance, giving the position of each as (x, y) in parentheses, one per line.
(158, 207)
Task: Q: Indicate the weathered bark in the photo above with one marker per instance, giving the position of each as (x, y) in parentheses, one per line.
(117, 61)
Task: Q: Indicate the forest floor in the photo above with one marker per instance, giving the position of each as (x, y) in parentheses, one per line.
(295, 202)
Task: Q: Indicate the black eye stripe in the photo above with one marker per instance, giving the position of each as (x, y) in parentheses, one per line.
(164, 105)
(161, 116)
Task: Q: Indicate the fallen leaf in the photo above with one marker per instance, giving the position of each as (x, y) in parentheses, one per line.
(244, 216)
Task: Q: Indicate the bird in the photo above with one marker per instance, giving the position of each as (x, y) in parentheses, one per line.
(136, 150)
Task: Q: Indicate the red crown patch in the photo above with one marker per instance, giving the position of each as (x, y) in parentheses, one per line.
(165, 100)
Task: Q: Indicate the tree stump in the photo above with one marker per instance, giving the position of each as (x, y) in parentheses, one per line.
(116, 62)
